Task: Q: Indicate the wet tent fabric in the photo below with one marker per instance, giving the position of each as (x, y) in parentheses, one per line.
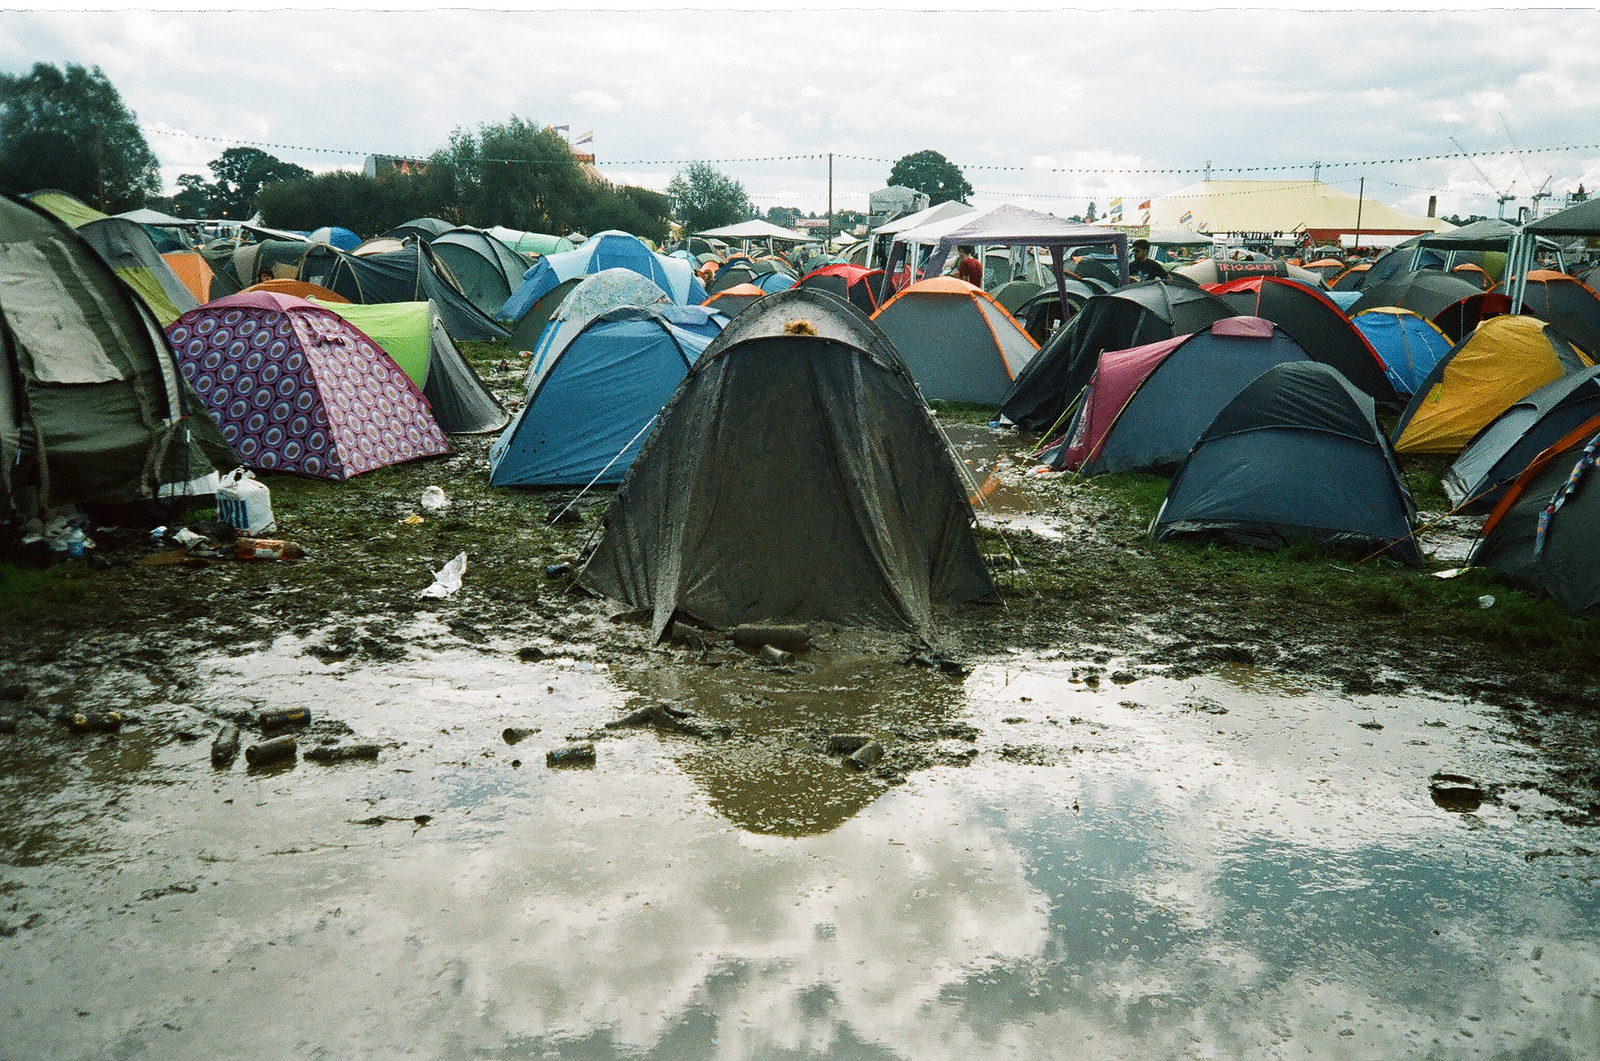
(335, 236)
(1318, 325)
(420, 228)
(1408, 345)
(591, 398)
(730, 302)
(1557, 491)
(132, 255)
(299, 289)
(797, 477)
(1298, 454)
(604, 250)
(66, 206)
(409, 275)
(1424, 293)
(850, 282)
(1351, 278)
(193, 271)
(1482, 376)
(486, 270)
(1145, 408)
(1568, 303)
(296, 388)
(1500, 452)
(92, 406)
(1131, 316)
(414, 336)
(956, 340)
(606, 290)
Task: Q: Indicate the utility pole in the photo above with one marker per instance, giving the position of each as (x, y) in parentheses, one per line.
(1361, 198)
(1316, 173)
(828, 243)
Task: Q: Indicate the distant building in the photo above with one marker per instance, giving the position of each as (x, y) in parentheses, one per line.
(1263, 211)
(886, 204)
(377, 165)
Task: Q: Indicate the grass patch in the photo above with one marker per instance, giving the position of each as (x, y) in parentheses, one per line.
(966, 412)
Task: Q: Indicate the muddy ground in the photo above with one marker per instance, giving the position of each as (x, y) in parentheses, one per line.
(1096, 622)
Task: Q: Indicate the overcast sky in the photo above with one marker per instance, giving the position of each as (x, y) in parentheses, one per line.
(1047, 92)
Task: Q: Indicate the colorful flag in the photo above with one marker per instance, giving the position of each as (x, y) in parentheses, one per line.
(561, 128)
(1188, 216)
(1145, 205)
(1115, 210)
(585, 138)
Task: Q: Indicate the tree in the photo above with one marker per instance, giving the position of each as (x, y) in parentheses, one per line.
(784, 216)
(707, 198)
(241, 173)
(70, 130)
(932, 174)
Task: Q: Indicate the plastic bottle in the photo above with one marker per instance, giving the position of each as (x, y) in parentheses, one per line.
(75, 542)
(266, 549)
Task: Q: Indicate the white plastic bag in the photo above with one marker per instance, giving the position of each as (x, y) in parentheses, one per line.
(433, 500)
(245, 504)
(447, 580)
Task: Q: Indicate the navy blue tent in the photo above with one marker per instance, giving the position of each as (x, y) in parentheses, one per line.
(1298, 454)
(590, 400)
(604, 250)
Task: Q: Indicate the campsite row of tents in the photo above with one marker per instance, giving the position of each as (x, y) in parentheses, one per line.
(1261, 392)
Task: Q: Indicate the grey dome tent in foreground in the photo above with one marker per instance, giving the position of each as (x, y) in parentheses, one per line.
(794, 476)
(1298, 454)
(1499, 453)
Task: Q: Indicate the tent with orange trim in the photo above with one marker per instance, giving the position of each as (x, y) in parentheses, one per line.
(854, 284)
(1567, 302)
(959, 343)
(730, 300)
(1543, 534)
(1482, 376)
(299, 289)
(192, 270)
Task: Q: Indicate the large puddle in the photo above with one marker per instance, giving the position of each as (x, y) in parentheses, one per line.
(1231, 866)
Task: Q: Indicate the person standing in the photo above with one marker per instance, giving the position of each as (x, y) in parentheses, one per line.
(969, 268)
(1144, 267)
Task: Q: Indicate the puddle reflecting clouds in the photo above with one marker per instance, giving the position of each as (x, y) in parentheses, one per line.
(1222, 867)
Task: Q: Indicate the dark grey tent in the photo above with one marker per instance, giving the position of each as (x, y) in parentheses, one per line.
(1131, 316)
(1298, 454)
(793, 476)
(1145, 408)
(422, 229)
(408, 275)
(732, 276)
(1559, 490)
(92, 408)
(1426, 293)
(1499, 453)
(486, 270)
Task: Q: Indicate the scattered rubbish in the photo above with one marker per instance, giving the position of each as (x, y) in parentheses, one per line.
(866, 755)
(215, 529)
(266, 549)
(774, 655)
(95, 722)
(672, 719)
(515, 734)
(275, 750)
(1455, 792)
(244, 503)
(412, 519)
(848, 743)
(158, 535)
(225, 745)
(342, 753)
(754, 636)
(571, 755)
(434, 499)
(271, 721)
(77, 542)
(447, 580)
(1486, 601)
(1451, 572)
(557, 570)
(187, 538)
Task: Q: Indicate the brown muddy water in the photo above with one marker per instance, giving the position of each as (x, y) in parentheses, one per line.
(1057, 863)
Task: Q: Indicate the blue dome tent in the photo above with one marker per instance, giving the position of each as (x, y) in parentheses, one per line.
(604, 250)
(1408, 345)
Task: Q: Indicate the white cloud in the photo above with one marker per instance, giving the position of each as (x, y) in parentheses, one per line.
(592, 99)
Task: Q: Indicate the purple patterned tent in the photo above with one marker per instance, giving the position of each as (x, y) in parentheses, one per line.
(296, 388)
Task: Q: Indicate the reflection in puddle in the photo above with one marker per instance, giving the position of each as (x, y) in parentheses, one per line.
(993, 478)
(1221, 867)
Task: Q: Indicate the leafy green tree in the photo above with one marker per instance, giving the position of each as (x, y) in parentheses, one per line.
(194, 196)
(239, 175)
(785, 216)
(69, 129)
(932, 174)
(518, 174)
(636, 210)
(707, 198)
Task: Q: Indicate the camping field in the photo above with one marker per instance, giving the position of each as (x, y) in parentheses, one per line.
(1099, 805)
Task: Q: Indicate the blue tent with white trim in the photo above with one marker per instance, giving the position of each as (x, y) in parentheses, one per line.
(1408, 345)
(590, 402)
(334, 236)
(772, 283)
(604, 250)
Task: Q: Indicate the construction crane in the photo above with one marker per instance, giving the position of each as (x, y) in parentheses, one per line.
(1505, 196)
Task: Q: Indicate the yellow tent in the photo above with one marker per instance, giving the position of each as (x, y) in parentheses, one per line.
(1500, 363)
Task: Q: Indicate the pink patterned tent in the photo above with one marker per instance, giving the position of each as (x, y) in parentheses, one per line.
(296, 388)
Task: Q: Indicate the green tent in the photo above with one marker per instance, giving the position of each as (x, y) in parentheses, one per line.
(414, 337)
(531, 242)
(92, 408)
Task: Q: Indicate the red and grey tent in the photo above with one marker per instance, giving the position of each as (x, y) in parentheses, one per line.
(850, 282)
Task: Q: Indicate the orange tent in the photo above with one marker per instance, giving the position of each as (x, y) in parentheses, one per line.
(193, 270)
(299, 289)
